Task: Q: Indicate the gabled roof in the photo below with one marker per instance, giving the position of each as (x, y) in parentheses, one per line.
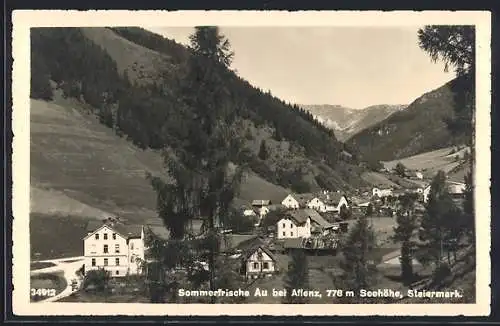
(299, 216)
(126, 231)
(317, 218)
(261, 202)
(248, 247)
(332, 198)
(303, 199)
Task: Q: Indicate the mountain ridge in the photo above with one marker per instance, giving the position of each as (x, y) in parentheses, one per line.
(348, 121)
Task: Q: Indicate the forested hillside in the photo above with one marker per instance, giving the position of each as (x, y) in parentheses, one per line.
(422, 127)
(130, 79)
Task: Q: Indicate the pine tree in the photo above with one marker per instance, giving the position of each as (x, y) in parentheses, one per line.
(400, 170)
(468, 206)
(297, 276)
(404, 232)
(439, 217)
(358, 269)
(204, 183)
(263, 153)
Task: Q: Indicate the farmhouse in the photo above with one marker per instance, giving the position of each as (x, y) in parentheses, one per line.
(382, 192)
(256, 258)
(116, 247)
(328, 202)
(261, 203)
(302, 223)
(296, 201)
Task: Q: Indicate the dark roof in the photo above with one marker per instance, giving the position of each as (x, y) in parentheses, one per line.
(232, 241)
(331, 197)
(316, 217)
(298, 215)
(261, 202)
(276, 207)
(126, 230)
(303, 199)
(248, 247)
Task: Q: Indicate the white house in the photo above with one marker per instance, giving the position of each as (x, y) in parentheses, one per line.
(426, 192)
(256, 259)
(302, 223)
(294, 224)
(296, 201)
(381, 192)
(249, 212)
(455, 188)
(117, 248)
(328, 202)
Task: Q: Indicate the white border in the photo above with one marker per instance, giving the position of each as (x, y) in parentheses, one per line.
(24, 19)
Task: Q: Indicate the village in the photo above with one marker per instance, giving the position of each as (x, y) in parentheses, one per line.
(316, 223)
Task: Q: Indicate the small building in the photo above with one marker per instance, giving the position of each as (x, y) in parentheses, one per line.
(296, 201)
(115, 247)
(381, 192)
(328, 202)
(256, 259)
(261, 203)
(301, 223)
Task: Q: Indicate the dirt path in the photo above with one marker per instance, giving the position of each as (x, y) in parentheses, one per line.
(69, 270)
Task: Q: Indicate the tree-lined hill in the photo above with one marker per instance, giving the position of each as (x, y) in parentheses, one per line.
(129, 78)
(421, 127)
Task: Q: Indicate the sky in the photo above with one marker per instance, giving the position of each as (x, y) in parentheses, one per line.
(350, 66)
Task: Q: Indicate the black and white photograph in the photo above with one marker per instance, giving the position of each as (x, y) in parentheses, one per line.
(211, 158)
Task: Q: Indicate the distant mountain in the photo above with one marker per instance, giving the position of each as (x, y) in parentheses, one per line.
(421, 127)
(346, 121)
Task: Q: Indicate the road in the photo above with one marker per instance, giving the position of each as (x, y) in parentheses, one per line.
(69, 266)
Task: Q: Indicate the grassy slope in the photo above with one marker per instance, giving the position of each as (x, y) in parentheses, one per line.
(418, 128)
(79, 159)
(433, 161)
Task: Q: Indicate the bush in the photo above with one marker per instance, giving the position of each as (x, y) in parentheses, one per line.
(98, 279)
(441, 273)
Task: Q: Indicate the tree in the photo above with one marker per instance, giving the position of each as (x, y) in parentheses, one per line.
(358, 269)
(98, 278)
(400, 170)
(297, 277)
(440, 214)
(345, 213)
(239, 223)
(263, 153)
(204, 182)
(468, 206)
(455, 46)
(404, 233)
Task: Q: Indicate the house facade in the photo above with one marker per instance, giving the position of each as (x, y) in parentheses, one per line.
(328, 202)
(116, 248)
(290, 202)
(380, 192)
(293, 225)
(258, 262)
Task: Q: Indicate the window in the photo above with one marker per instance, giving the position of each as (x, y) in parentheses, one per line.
(117, 272)
(97, 236)
(114, 236)
(255, 265)
(132, 259)
(117, 248)
(117, 261)
(291, 225)
(105, 249)
(291, 234)
(284, 233)
(93, 261)
(132, 245)
(105, 261)
(105, 236)
(266, 266)
(284, 225)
